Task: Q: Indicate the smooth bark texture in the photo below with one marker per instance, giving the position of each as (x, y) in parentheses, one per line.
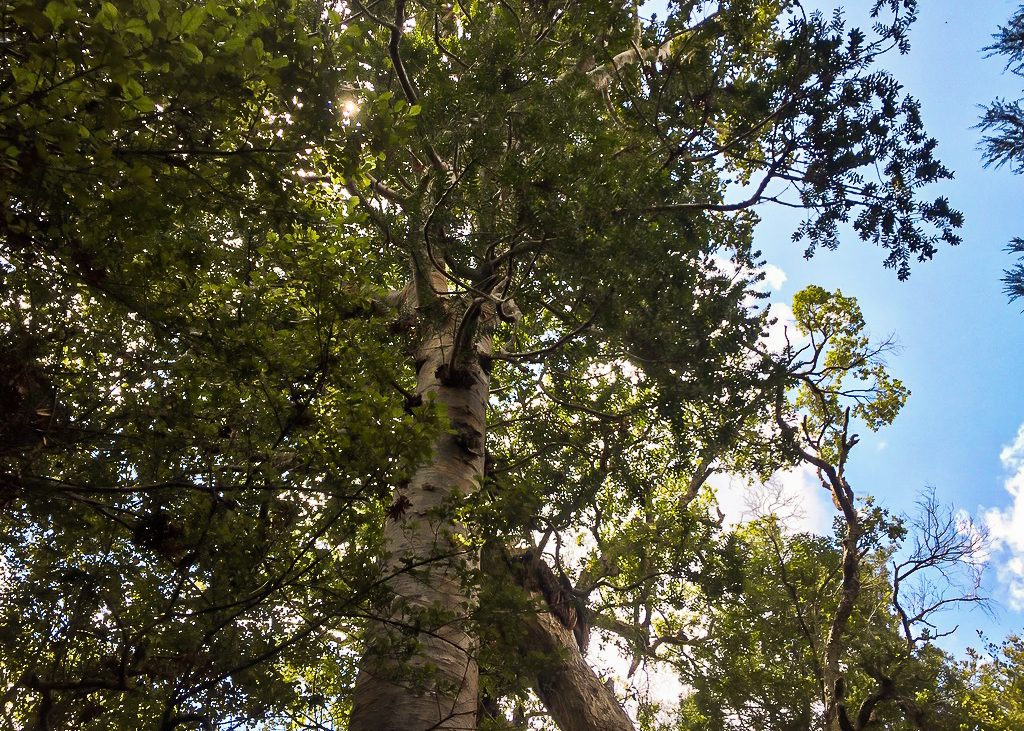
(420, 671)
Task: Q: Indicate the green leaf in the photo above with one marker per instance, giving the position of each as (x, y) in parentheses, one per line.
(151, 8)
(143, 104)
(139, 27)
(107, 16)
(132, 88)
(192, 19)
(57, 11)
(192, 52)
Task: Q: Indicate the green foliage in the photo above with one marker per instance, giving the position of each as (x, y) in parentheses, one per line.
(209, 398)
(760, 665)
(839, 371)
(121, 120)
(849, 124)
(1007, 146)
(1005, 121)
(198, 448)
(203, 510)
(998, 679)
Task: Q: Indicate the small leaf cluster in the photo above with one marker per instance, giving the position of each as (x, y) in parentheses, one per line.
(1004, 121)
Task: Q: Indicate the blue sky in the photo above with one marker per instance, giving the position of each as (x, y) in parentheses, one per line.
(961, 343)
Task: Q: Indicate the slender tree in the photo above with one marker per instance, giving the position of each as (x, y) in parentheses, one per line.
(837, 633)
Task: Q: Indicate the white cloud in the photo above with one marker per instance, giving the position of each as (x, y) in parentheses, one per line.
(774, 276)
(782, 331)
(1006, 525)
(1013, 574)
(978, 535)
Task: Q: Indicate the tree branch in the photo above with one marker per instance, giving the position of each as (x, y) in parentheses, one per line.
(394, 51)
(603, 75)
(558, 343)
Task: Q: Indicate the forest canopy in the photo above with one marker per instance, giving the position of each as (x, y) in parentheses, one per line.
(367, 365)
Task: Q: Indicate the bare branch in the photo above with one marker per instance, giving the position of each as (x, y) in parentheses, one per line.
(946, 557)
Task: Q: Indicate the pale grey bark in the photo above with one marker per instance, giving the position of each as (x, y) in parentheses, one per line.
(420, 671)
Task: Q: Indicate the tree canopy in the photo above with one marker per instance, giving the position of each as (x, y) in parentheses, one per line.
(366, 364)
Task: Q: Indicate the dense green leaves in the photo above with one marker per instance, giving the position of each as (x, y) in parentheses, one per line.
(213, 499)
(838, 352)
(761, 664)
(997, 675)
(231, 226)
(198, 450)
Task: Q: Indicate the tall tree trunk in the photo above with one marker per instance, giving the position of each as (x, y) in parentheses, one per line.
(575, 697)
(420, 669)
(837, 717)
